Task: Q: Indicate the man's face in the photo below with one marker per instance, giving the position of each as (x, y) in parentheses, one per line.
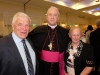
(21, 27)
(52, 17)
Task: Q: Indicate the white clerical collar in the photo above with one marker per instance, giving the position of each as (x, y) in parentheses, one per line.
(52, 26)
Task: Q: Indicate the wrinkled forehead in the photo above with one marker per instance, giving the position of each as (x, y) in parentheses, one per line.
(53, 11)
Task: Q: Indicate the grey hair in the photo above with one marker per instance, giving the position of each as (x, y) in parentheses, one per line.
(98, 23)
(18, 15)
(52, 7)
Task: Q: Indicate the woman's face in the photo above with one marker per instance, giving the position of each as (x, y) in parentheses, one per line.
(75, 35)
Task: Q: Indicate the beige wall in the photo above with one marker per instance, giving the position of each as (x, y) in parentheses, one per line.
(1, 25)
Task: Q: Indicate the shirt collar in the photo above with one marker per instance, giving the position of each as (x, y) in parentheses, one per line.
(16, 38)
(52, 27)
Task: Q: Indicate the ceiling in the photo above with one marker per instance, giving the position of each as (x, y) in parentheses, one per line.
(80, 4)
(75, 4)
(89, 7)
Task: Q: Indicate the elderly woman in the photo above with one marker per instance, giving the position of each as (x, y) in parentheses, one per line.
(79, 55)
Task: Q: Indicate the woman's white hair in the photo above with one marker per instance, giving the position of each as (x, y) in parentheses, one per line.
(74, 27)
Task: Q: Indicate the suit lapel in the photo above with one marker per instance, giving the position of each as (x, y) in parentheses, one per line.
(14, 52)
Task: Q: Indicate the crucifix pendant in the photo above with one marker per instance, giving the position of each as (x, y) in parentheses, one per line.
(50, 45)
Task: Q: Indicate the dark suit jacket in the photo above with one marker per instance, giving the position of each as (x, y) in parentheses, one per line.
(10, 60)
(95, 41)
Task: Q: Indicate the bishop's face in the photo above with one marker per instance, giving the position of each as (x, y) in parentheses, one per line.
(52, 17)
(75, 36)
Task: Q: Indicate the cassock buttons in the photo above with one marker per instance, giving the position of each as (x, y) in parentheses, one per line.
(51, 73)
(51, 69)
(53, 33)
(52, 39)
(52, 63)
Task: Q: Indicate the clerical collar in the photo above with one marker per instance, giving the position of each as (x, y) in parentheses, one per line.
(52, 27)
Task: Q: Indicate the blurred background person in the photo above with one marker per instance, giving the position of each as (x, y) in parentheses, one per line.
(95, 42)
(68, 27)
(83, 37)
(79, 55)
(87, 35)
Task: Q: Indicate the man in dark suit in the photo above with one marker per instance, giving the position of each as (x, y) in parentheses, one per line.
(95, 42)
(13, 58)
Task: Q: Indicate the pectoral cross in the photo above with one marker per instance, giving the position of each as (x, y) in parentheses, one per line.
(50, 45)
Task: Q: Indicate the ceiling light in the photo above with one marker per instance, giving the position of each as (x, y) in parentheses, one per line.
(63, 25)
(97, 0)
(97, 14)
(76, 25)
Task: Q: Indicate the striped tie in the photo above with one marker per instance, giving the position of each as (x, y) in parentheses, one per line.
(29, 61)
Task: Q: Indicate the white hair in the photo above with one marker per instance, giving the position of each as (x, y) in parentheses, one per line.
(18, 15)
(52, 7)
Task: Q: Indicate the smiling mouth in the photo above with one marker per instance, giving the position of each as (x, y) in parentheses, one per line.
(24, 32)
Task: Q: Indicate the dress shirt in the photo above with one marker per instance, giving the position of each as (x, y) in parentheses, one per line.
(20, 47)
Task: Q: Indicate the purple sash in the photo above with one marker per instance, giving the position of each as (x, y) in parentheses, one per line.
(50, 56)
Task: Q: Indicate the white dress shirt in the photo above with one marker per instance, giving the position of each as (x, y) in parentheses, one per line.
(20, 47)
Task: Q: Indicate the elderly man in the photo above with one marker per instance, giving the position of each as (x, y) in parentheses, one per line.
(17, 56)
(50, 41)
